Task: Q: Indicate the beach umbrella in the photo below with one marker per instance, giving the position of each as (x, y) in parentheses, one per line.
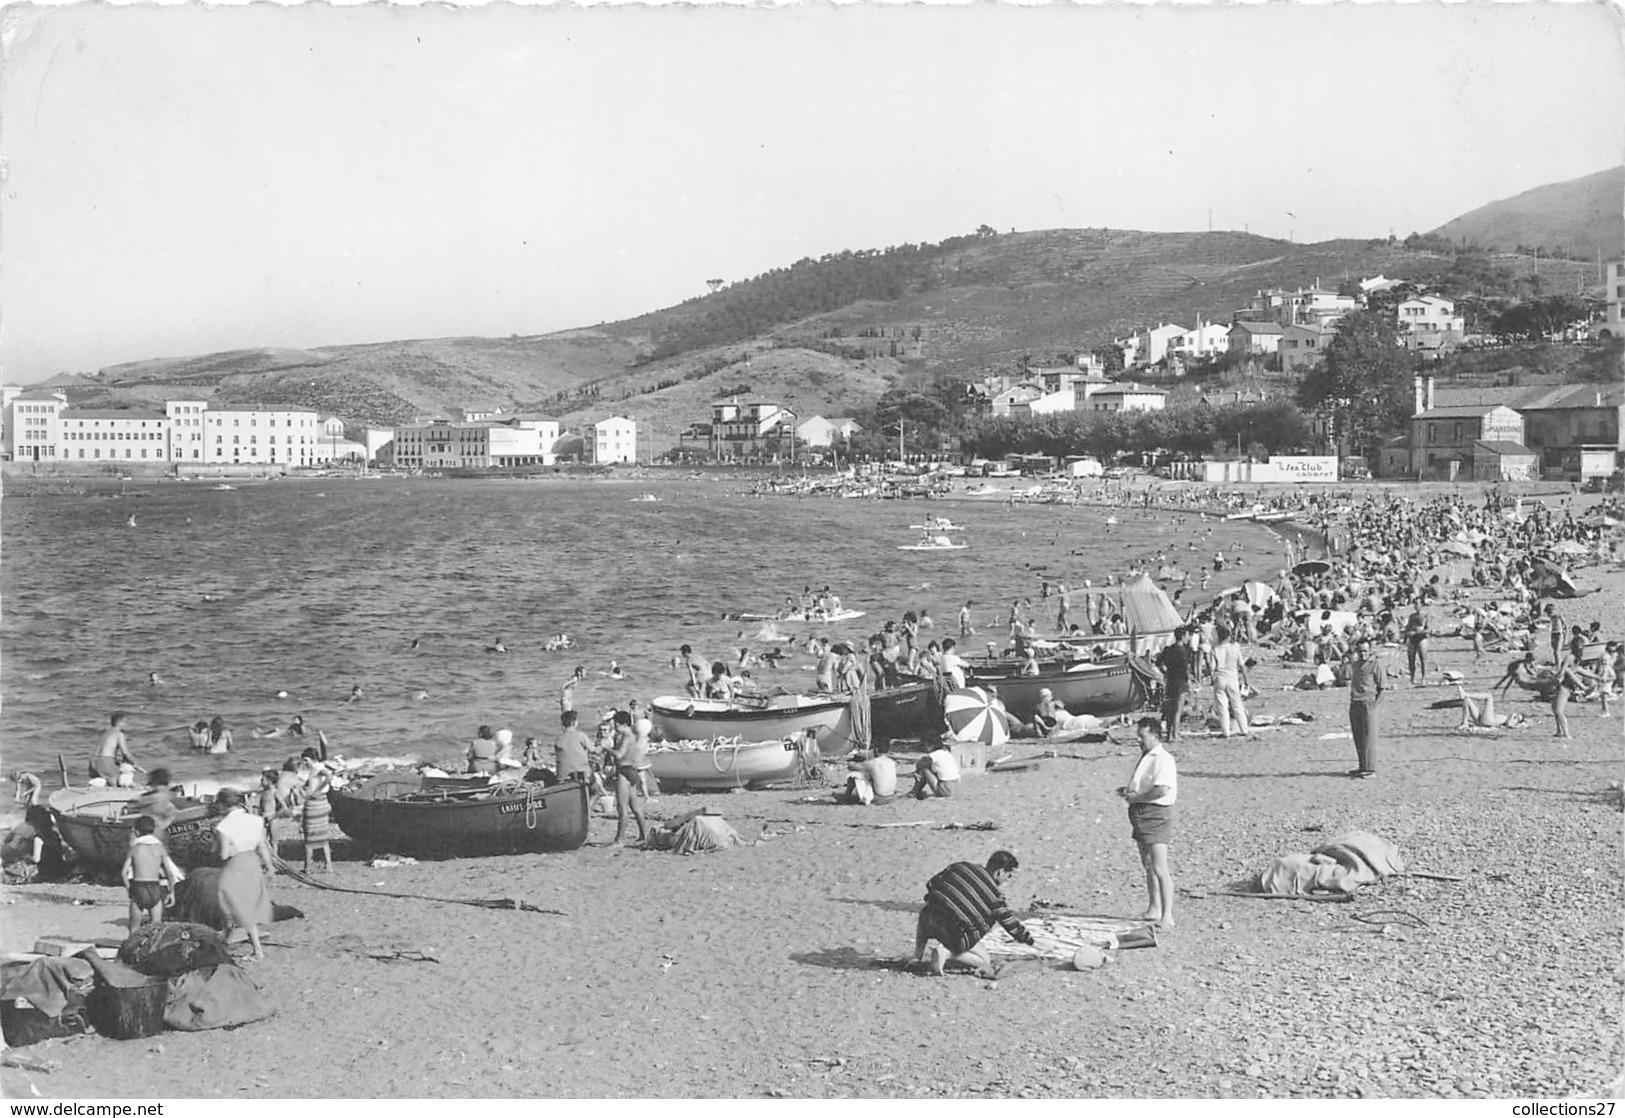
(1456, 547)
(1312, 567)
(1571, 547)
(972, 717)
(1552, 581)
(1258, 595)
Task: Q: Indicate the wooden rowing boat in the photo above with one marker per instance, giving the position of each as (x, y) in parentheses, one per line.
(781, 716)
(405, 815)
(724, 763)
(910, 711)
(1111, 686)
(97, 824)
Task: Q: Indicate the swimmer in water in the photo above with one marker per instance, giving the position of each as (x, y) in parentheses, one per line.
(355, 694)
(282, 694)
(615, 671)
(152, 678)
(497, 647)
(415, 642)
(419, 696)
(131, 521)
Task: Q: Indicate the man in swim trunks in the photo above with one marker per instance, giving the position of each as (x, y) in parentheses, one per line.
(961, 904)
(149, 874)
(112, 751)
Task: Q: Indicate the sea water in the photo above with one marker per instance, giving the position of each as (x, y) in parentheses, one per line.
(275, 598)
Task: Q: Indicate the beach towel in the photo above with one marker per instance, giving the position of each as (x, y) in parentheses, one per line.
(705, 833)
(1367, 855)
(1058, 936)
(1302, 874)
(215, 998)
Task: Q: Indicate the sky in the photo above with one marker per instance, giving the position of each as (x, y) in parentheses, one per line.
(185, 179)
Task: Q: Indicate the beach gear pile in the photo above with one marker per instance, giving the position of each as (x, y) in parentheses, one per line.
(1342, 865)
(175, 975)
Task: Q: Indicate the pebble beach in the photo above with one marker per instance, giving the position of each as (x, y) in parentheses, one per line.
(774, 969)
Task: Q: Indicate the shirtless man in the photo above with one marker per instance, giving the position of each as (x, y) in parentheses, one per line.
(112, 751)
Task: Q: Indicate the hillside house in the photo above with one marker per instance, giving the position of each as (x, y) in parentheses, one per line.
(612, 440)
(1127, 396)
(1204, 341)
(1151, 346)
(1303, 346)
(1228, 398)
(1430, 314)
(1255, 338)
(821, 432)
(1014, 396)
(751, 429)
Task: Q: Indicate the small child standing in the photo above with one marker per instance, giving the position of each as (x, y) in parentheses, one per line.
(149, 874)
(1150, 795)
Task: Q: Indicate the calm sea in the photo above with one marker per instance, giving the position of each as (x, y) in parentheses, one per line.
(311, 586)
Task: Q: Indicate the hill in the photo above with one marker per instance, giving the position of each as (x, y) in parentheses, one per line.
(1578, 218)
(831, 335)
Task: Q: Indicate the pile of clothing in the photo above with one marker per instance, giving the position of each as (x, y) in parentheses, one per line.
(1342, 865)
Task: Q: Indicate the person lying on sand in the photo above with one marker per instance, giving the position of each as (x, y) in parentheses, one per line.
(961, 904)
(1478, 712)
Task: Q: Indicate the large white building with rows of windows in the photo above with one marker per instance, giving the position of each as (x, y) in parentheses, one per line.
(40, 426)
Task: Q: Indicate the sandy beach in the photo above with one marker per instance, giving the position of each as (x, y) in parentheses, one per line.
(771, 969)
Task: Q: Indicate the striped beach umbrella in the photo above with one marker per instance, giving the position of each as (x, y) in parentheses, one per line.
(972, 717)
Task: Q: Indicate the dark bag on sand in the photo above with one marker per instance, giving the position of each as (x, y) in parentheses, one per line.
(215, 998)
(169, 949)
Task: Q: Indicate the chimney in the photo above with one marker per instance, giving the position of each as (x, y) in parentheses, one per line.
(1417, 385)
(1430, 393)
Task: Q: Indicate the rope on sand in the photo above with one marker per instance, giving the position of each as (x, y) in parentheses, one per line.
(515, 904)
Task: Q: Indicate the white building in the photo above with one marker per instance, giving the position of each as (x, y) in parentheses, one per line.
(1429, 313)
(105, 435)
(286, 437)
(818, 431)
(1152, 345)
(1127, 396)
(613, 440)
(32, 425)
(186, 429)
(1206, 339)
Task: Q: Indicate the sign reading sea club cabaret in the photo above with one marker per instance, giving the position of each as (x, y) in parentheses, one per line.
(1304, 467)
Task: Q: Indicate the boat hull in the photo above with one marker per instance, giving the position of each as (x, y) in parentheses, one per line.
(398, 815)
(680, 719)
(1109, 687)
(94, 825)
(908, 711)
(726, 764)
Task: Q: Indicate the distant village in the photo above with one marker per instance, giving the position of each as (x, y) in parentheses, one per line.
(1570, 433)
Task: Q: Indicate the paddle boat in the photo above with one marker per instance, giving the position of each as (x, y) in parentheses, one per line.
(97, 825)
(679, 718)
(800, 616)
(726, 762)
(429, 817)
(929, 542)
(933, 525)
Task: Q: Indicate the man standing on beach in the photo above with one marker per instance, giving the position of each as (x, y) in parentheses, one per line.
(1229, 677)
(1366, 675)
(961, 904)
(1150, 795)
